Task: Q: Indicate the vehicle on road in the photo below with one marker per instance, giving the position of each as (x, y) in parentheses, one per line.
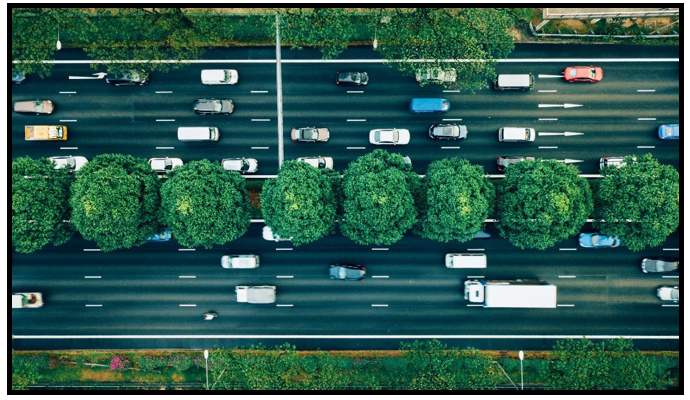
(163, 235)
(198, 133)
(347, 272)
(210, 315)
(165, 164)
(219, 76)
(659, 265)
(241, 165)
(447, 131)
(213, 106)
(27, 300)
(429, 105)
(267, 234)
(583, 74)
(514, 82)
(465, 260)
(256, 294)
(483, 234)
(127, 78)
(18, 77)
(45, 132)
(318, 162)
(511, 293)
(70, 163)
(598, 241)
(239, 261)
(351, 78)
(435, 75)
(668, 293)
(389, 136)
(37, 107)
(311, 134)
(504, 162)
(613, 162)
(516, 135)
(670, 131)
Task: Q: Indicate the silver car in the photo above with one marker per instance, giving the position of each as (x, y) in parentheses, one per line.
(656, 265)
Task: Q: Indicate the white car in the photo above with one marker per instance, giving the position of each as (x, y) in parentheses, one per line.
(241, 165)
(436, 75)
(268, 234)
(318, 162)
(668, 293)
(242, 261)
(613, 161)
(219, 76)
(389, 136)
(163, 165)
(70, 163)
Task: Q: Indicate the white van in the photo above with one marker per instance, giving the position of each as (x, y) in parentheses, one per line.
(514, 82)
(516, 135)
(465, 260)
(198, 133)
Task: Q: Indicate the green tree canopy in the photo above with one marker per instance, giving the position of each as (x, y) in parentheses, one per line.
(541, 203)
(378, 203)
(300, 203)
(468, 40)
(457, 199)
(115, 201)
(204, 205)
(328, 29)
(40, 204)
(640, 202)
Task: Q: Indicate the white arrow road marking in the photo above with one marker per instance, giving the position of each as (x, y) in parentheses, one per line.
(569, 161)
(566, 105)
(560, 133)
(98, 75)
(550, 76)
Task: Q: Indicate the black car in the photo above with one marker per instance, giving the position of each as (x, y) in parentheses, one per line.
(351, 78)
(127, 78)
(504, 161)
(213, 106)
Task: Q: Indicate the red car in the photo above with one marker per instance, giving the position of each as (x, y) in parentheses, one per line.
(583, 74)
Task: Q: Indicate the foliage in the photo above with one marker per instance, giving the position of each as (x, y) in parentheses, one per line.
(119, 363)
(378, 204)
(541, 203)
(40, 204)
(328, 29)
(24, 372)
(640, 202)
(477, 371)
(299, 203)
(614, 364)
(429, 366)
(181, 362)
(468, 40)
(204, 205)
(115, 201)
(457, 199)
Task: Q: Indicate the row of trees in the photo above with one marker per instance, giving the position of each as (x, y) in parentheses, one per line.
(469, 40)
(118, 201)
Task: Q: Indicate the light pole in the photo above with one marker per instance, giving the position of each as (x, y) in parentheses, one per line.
(376, 42)
(58, 44)
(206, 357)
(522, 380)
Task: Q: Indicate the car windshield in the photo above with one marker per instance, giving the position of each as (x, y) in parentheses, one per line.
(592, 73)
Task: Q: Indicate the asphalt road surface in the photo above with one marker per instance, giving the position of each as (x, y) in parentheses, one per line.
(155, 295)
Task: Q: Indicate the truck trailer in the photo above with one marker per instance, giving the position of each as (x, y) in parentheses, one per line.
(516, 293)
(256, 294)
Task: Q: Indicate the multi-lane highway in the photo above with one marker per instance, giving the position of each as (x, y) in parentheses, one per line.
(143, 297)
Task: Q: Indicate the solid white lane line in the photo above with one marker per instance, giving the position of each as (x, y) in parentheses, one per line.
(549, 76)
(474, 305)
(92, 277)
(669, 305)
(355, 91)
(69, 148)
(67, 92)
(451, 119)
(670, 277)
(548, 91)
(475, 276)
(646, 147)
(475, 249)
(187, 277)
(92, 249)
(450, 147)
(283, 337)
(451, 91)
(548, 119)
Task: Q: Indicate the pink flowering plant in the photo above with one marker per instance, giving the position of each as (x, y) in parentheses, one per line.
(119, 363)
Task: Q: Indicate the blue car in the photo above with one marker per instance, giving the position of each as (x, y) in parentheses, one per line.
(162, 236)
(597, 240)
(670, 131)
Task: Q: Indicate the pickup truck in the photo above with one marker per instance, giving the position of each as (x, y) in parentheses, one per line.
(27, 300)
(256, 294)
(45, 132)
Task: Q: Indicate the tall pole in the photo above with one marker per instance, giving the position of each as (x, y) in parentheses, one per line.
(522, 380)
(206, 357)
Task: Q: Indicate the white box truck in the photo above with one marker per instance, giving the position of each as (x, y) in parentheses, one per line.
(27, 300)
(256, 294)
(511, 293)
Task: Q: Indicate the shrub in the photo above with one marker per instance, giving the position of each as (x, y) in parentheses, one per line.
(119, 363)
